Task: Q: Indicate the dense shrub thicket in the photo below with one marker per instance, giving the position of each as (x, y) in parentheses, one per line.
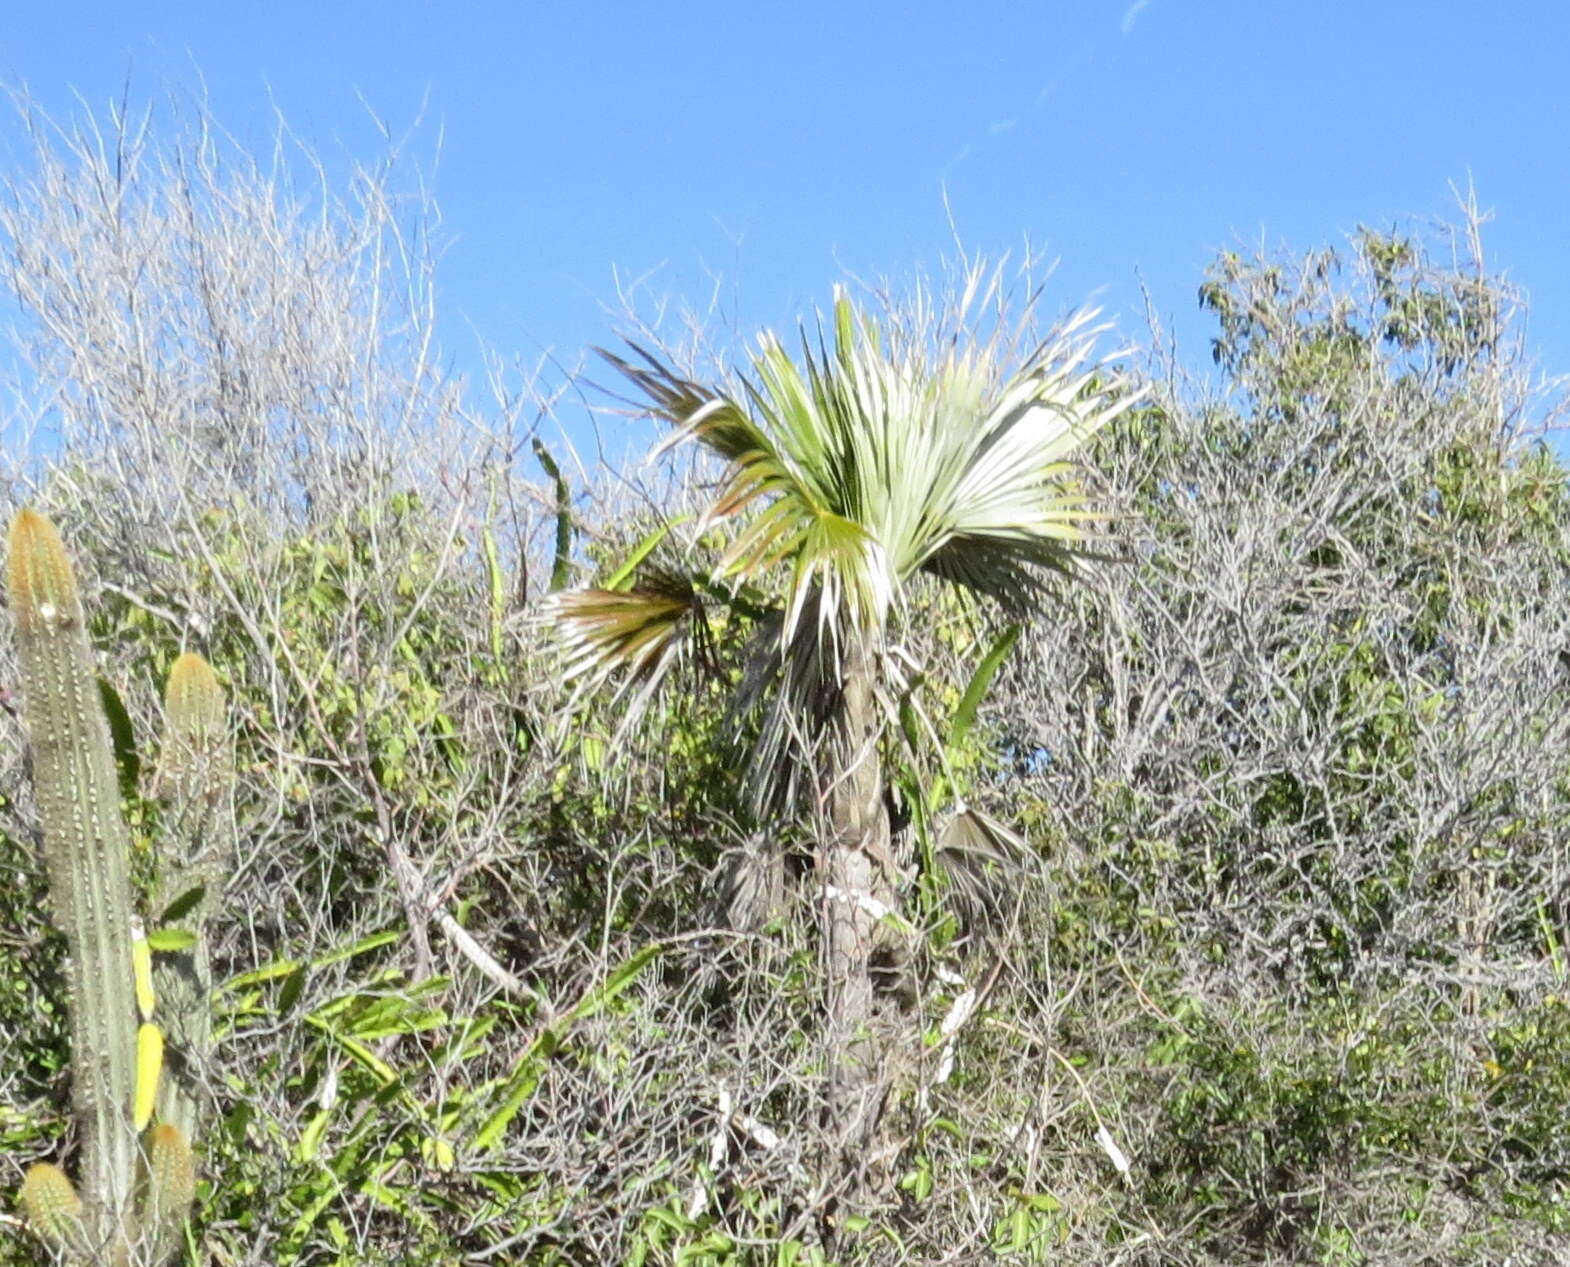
(1275, 972)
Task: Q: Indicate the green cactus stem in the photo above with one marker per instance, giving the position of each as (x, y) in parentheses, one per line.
(133, 1201)
(196, 853)
(561, 563)
(86, 849)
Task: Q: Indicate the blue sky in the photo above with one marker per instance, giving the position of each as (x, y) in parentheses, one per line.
(782, 146)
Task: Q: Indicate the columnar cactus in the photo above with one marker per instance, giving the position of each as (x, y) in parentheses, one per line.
(197, 846)
(134, 1191)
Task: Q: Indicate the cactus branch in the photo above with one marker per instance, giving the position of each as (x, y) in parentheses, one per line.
(171, 1187)
(196, 851)
(51, 1207)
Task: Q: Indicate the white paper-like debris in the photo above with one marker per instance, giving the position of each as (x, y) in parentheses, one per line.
(947, 975)
(699, 1196)
(945, 1064)
(1110, 1147)
(717, 1144)
(763, 1136)
(868, 903)
(959, 1012)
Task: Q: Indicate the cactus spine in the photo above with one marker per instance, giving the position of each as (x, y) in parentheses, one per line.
(133, 1199)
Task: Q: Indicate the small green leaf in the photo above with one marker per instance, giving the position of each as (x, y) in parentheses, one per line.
(268, 972)
(167, 939)
(373, 942)
(293, 987)
(365, 1057)
(182, 906)
(311, 1136)
(1019, 1229)
(965, 714)
(640, 552)
(613, 985)
(127, 764)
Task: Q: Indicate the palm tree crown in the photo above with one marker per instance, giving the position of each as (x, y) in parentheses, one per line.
(872, 459)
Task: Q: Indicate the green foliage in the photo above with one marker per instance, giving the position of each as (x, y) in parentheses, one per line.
(520, 1086)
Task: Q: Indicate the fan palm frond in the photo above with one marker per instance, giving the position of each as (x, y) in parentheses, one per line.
(861, 463)
(983, 862)
(640, 634)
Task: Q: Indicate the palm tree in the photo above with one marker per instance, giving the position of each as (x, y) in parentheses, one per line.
(878, 457)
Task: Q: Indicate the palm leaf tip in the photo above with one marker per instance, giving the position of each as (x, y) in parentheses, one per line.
(697, 412)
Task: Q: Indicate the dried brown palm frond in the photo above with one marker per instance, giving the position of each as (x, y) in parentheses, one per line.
(984, 864)
(751, 884)
(641, 633)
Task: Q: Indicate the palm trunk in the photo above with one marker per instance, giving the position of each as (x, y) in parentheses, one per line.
(857, 850)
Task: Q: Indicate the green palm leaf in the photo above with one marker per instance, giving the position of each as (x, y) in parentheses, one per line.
(639, 634)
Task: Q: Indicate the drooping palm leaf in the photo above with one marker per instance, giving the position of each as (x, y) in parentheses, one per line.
(640, 634)
(983, 862)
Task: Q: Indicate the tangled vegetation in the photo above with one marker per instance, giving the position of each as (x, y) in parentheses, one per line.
(1231, 868)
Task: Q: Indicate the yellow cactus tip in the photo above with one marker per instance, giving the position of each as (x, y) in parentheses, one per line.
(166, 1134)
(192, 698)
(149, 1066)
(42, 584)
(29, 530)
(49, 1202)
(191, 670)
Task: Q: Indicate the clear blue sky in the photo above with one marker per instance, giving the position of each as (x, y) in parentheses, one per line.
(782, 145)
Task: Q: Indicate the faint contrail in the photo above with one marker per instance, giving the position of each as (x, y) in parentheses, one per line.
(1133, 11)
